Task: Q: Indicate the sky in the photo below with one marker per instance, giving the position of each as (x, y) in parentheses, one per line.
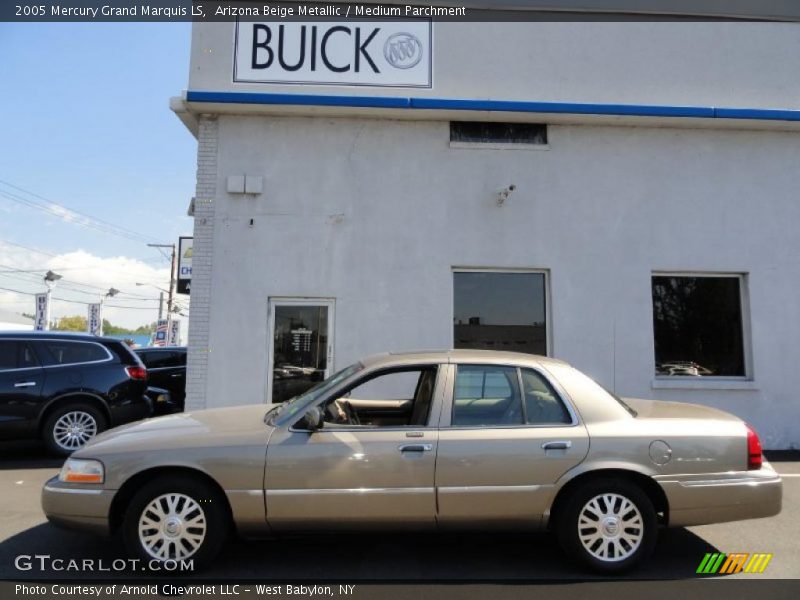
(85, 123)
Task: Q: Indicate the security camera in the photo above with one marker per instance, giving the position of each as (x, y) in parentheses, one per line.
(503, 194)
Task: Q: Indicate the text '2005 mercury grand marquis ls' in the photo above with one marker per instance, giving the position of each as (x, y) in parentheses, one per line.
(458, 439)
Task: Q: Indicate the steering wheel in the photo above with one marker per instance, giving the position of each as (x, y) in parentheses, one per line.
(352, 416)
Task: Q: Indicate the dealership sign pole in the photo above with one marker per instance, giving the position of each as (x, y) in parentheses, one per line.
(42, 322)
(174, 333)
(94, 322)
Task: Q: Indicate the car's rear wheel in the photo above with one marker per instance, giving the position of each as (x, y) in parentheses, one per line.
(176, 519)
(71, 427)
(609, 525)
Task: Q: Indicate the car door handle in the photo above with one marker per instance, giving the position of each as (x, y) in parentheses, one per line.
(415, 447)
(175, 375)
(560, 445)
(22, 384)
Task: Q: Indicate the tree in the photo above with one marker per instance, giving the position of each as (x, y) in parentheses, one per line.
(78, 323)
(74, 323)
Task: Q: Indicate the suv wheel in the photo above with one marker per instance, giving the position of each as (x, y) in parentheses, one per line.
(71, 427)
(609, 525)
(175, 519)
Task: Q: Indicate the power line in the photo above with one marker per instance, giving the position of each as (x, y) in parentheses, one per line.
(28, 248)
(70, 215)
(150, 308)
(28, 276)
(154, 260)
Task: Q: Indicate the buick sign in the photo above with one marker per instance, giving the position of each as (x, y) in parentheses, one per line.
(362, 53)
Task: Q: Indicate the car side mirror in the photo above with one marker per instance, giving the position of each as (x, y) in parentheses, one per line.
(313, 420)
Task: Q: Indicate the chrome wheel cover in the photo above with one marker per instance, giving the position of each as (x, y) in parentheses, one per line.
(74, 429)
(172, 527)
(610, 527)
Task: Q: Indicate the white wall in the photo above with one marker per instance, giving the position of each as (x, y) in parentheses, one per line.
(377, 213)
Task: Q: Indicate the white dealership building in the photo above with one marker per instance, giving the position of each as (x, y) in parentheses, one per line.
(621, 195)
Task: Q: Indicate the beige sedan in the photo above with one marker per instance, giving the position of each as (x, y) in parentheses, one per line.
(438, 440)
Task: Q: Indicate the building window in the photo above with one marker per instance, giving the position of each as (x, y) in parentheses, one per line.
(698, 325)
(500, 311)
(477, 132)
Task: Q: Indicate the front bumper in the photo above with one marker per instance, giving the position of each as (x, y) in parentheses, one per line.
(720, 497)
(86, 508)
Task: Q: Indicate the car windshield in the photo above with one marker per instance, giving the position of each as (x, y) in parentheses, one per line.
(298, 403)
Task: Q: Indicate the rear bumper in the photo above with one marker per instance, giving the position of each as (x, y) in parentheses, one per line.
(721, 497)
(85, 509)
(141, 408)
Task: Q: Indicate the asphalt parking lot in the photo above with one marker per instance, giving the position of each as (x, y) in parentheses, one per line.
(507, 557)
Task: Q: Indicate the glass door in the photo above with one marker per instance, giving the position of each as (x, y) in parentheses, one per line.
(301, 346)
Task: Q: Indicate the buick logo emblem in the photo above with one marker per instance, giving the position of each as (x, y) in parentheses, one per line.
(402, 50)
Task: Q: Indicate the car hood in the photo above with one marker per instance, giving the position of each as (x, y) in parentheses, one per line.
(183, 429)
(660, 409)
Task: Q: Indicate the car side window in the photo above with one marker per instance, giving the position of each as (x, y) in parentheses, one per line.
(15, 354)
(486, 395)
(158, 359)
(57, 352)
(8, 355)
(542, 404)
(391, 398)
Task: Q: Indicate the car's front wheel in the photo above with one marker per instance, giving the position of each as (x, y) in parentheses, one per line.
(176, 518)
(609, 525)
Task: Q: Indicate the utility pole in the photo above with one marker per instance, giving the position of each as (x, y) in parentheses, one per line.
(171, 292)
(109, 294)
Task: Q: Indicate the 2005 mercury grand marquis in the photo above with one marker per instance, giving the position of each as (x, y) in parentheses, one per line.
(459, 439)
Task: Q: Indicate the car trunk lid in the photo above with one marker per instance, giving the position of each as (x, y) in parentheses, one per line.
(660, 409)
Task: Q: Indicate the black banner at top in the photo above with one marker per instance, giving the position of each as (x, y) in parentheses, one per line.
(470, 10)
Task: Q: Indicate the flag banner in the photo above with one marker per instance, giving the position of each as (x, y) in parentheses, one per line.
(174, 333)
(162, 329)
(42, 322)
(94, 321)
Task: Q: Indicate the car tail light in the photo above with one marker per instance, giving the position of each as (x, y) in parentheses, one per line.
(754, 458)
(138, 373)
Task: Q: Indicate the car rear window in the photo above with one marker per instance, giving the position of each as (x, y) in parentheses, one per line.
(159, 359)
(58, 352)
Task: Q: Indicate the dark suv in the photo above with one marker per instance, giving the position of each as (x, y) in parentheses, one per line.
(166, 369)
(67, 388)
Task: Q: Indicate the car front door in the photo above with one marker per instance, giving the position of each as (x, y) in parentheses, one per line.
(376, 468)
(21, 383)
(506, 436)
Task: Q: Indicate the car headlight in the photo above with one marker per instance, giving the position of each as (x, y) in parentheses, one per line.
(77, 470)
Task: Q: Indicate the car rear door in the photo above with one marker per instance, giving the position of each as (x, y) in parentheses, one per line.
(21, 384)
(506, 436)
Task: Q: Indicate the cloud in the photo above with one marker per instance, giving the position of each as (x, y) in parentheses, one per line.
(86, 278)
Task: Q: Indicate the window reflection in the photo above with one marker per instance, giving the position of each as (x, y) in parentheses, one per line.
(500, 311)
(697, 326)
(301, 347)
